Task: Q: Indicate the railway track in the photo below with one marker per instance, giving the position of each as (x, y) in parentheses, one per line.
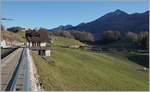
(15, 75)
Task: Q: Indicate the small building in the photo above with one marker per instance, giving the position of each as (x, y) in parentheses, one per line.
(44, 52)
(37, 40)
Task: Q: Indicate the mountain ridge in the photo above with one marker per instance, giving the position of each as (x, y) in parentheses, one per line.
(117, 20)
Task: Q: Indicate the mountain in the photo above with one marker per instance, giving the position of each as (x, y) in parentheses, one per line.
(116, 21)
(61, 27)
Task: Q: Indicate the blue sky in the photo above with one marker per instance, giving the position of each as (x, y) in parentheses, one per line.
(50, 14)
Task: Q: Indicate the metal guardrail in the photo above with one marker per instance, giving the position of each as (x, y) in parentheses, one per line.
(7, 52)
(13, 82)
(26, 75)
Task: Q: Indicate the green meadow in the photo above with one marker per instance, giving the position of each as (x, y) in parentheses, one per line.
(80, 70)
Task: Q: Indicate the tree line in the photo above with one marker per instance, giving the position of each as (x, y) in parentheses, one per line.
(140, 39)
(75, 34)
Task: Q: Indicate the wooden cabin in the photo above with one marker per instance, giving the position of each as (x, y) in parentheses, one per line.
(37, 38)
(37, 41)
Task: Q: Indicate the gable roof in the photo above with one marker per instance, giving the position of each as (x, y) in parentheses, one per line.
(37, 36)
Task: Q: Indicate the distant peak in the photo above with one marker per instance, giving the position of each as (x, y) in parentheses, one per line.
(81, 24)
(68, 25)
(118, 12)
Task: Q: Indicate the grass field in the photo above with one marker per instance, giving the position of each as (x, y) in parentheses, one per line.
(76, 69)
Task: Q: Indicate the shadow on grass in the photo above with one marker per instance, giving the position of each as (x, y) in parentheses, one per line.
(140, 59)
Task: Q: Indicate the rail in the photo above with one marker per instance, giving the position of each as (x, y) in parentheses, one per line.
(7, 52)
(12, 85)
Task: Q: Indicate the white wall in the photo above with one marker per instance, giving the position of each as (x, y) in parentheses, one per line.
(3, 43)
(47, 53)
(43, 44)
(29, 44)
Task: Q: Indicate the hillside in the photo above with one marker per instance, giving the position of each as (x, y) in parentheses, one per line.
(10, 36)
(116, 21)
(76, 69)
(61, 28)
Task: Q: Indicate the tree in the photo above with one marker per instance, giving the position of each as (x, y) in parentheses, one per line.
(111, 36)
(66, 34)
(63, 33)
(15, 29)
(143, 40)
(132, 36)
(75, 34)
(82, 36)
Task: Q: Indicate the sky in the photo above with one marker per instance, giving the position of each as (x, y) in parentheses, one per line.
(51, 14)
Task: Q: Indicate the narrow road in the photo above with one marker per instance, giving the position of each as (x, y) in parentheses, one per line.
(8, 65)
(18, 72)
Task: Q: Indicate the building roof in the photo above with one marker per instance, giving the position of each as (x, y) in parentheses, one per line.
(37, 36)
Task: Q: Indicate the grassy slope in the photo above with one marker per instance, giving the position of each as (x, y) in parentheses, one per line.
(76, 69)
(13, 36)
